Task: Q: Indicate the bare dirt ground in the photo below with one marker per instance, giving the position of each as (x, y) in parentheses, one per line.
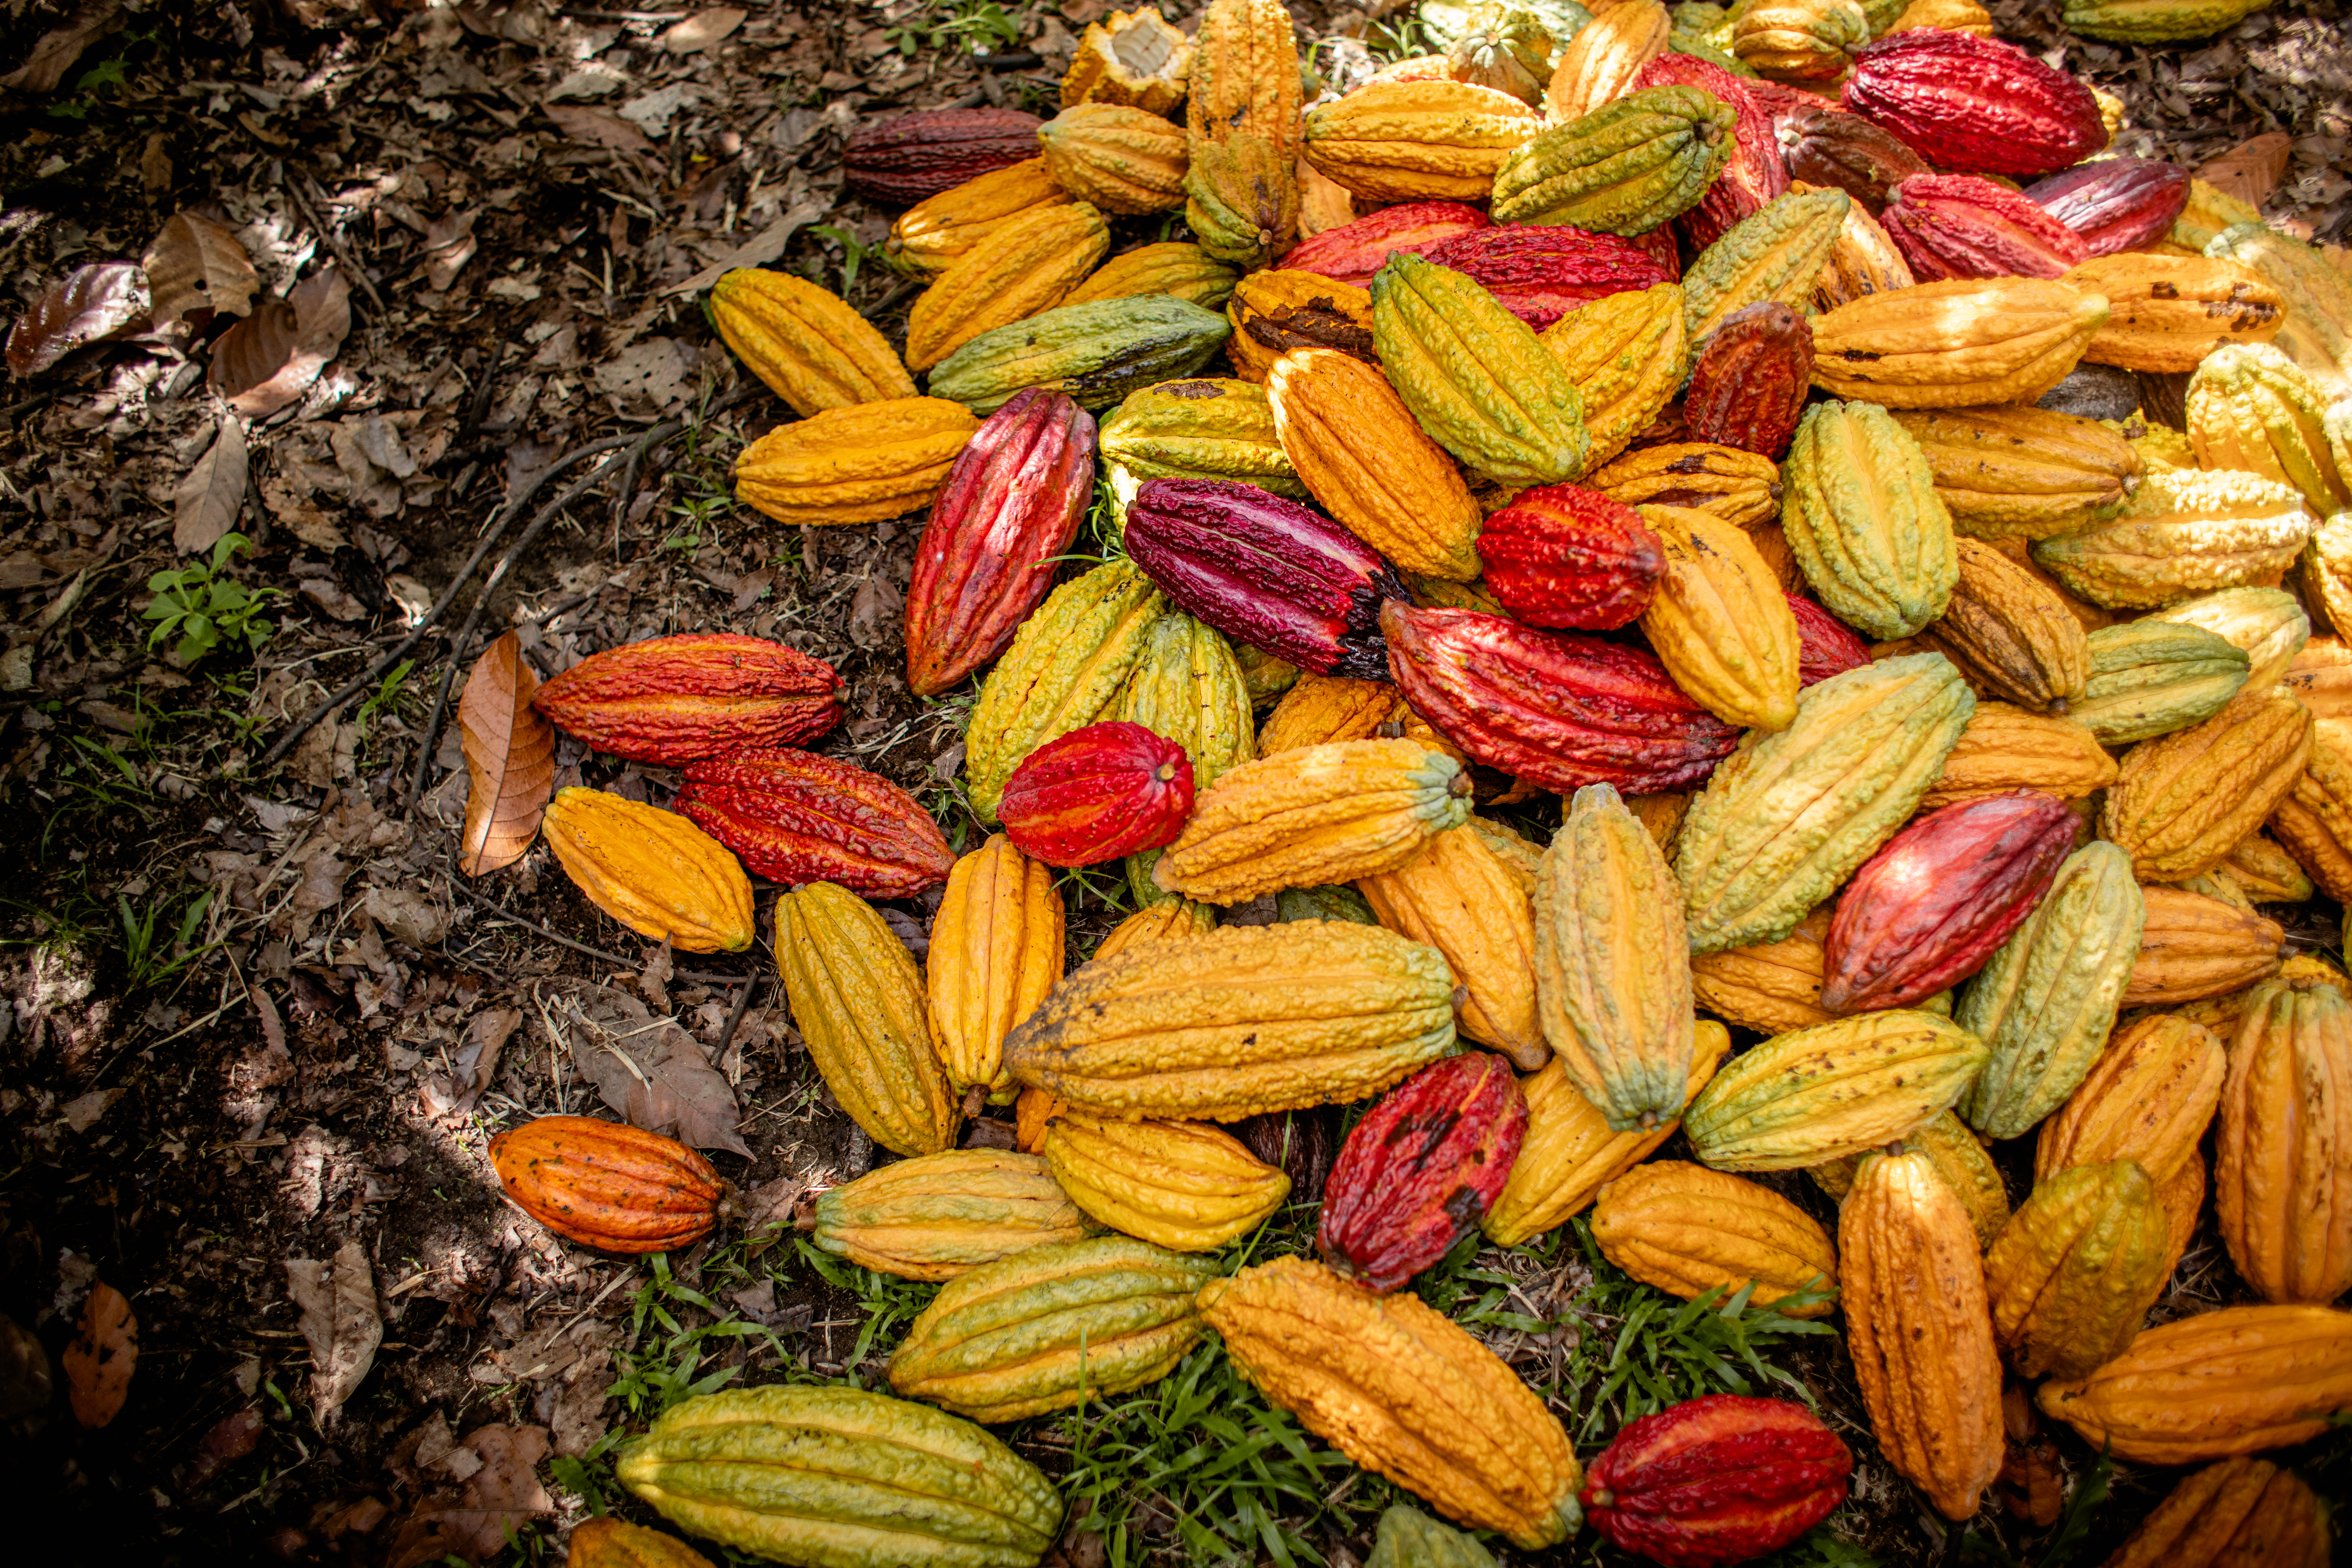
(261, 1028)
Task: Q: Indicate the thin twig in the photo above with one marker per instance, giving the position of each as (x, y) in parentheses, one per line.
(735, 1016)
(699, 976)
(294, 180)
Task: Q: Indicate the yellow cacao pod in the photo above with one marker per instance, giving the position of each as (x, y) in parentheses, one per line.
(1460, 898)
(1960, 344)
(1688, 1230)
(1863, 260)
(1321, 709)
(1738, 487)
(859, 464)
(2205, 1387)
(805, 342)
(858, 998)
(2283, 1166)
(2012, 637)
(1027, 266)
(1171, 921)
(2265, 872)
(1600, 63)
(610, 1543)
(1176, 267)
(2194, 946)
(1178, 1185)
(1126, 161)
(1719, 622)
(2076, 1270)
(996, 952)
(2005, 748)
(936, 231)
(2252, 410)
(1627, 354)
(2180, 534)
(1959, 1158)
(1277, 310)
(2181, 801)
(1768, 986)
(2014, 472)
(1355, 446)
(651, 870)
(2315, 819)
(2166, 313)
(2147, 1099)
(1417, 140)
(1242, 122)
(2239, 1513)
(2264, 624)
(1132, 58)
(2320, 678)
(1815, 1095)
(938, 1215)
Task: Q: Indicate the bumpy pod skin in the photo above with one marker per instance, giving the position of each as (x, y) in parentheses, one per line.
(858, 998)
(1562, 556)
(1864, 521)
(1011, 506)
(1174, 267)
(1417, 140)
(1097, 351)
(2011, 633)
(651, 870)
(1409, 1538)
(2194, 945)
(610, 1543)
(1750, 381)
(805, 342)
(1624, 168)
(1720, 623)
(938, 1215)
(2269, 625)
(2155, 21)
(1461, 898)
(2008, 472)
(1960, 344)
(2318, 302)
(929, 235)
(1178, 1185)
(2005, 748)
(2180, 802)
(1561, 710)
(1827, 149)
(795, 817)
(1771, 987)
(1189, 688)
(1404, 1392)
(1959, 1158)
(1243, 126)
(2205, 1387)
(2282, 1171)
(1688, 1230)
(2314, 820)
(1316, 815)
(862, 463)
(1353, 252)
(2183, 533)
(1738, 487)
(2151, 676)
(2167, 313)
(1282, 309)
(1240, 1020)
(1833, 1090)
(1752, 175)
(1720, 1478)
(1964, 226)
(1929, 909)
(1419, 1171)
(1626, 353)
(1361, 456)
(2147, 1100)
(900, 162)
(2239, 1513)
(1790, 816)
(1207, 427)
(1098, 793)
(1802, 40)
(609, 1186)
(673, 701)
(1920, 1330)
(1171, 920)
(1026, 268)
(1605, 59)
(995, 952)
(2076, 1269)
(1132, 58)
(813, 1474)
(1050, 1328)
(2114, 203)
(1122, 160)
(1975, 104)
(1543, 273)
(1773, 257)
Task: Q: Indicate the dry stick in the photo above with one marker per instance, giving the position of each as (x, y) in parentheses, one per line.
(735, 1018)
(294, 183)
(699, 976)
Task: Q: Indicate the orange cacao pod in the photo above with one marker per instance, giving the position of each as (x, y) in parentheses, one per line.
(676, 699)
(609, 1186)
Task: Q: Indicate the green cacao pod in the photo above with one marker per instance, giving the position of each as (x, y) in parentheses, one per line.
(938, 1215)
(1772, 256)
(2269, 625)
(1096, 352)
(1831, 1091)
(2149, 677)
(1409, 1538)
(1188, 687)
(2074, 1272)
(1207, 428)
(2252, 410)
(1625, 168)
(1862, 518)
(2183, 533)
(858, 998)
(2155, 21)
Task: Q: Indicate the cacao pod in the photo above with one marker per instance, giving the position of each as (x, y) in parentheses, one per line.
(610, 1543)
(1130, 58)
(1543, 272)
(1625, 167)
(1353, 252)
(1171, 921)
(2283, 1165)
(2182, 533)
(1321, 709)
(1417, 140)
(1243, 122)
(2266, 873)
(2205, 1387)
(1357, 450)
(2010, 636)
(1561, 556)
(1691, 1483)
(1773, 257)
(2155, 21)
(1098, 793)
(2266, 623)
(1838, 1089)
(1605, 58)
(1097, 352)
(1830, 150)
(898, 163)
(1207, 428)
(938, 1215)
(1749, 383)
(652, 870)
(2252, 410)
(1504, 48)
(2314, 820)
(936, 231)
(2194, 946)
(1418, 1171)
(2315, 331)
(1277, 312)
(1027, 266)
(2320, 678)
(1121, 160)
(1960, 344)
(2146, 1100)
(805, 342)
(1965, 226)
(1865, 261)
(1864, 519)
(1626, 354)
(673, 701)
(1753, 174)
(1978, 105)
(1768, 986)
(1461, 898)
(2076, 1270)
(2152, 677)
(995, 952)
(2114, 203)
(1178, 1184)
(1188, 687)
(858, 464)
(609, 1186)
(2022, 473)
(2181, 801)
(797, 816)
(1738, 487)
(858, 998)
(1719, 622)
(1958, 1157)
(2166, 313)
(1176, 267)
(1824, 645)
(1409, 1538)
(2239, 1513)
(1689, 1230)
(1800, 41)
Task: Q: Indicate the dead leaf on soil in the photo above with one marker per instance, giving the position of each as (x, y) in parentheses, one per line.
(104, 1352)
(597, 128)
(652, 1072)
(448, 245)
(270, 359)
(340, 1323)
(2251, 170)
(208, 499)
(509, 759)
(500, 1496)
(702, 29)
(474, 1062)
(25, 1383)
(86, 306)
(232, 1437)
(197, 265)
(54, 53)
(757, 251)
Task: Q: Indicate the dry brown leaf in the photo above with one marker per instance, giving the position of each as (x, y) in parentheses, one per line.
(104, 1352)
(196, 265)
(652, 1071)
(87, 305)
(56, 50)
(339, 1322)
(501, 1495)
(509, 759)
(270, 359)
(208, 501)
(2251, 170)
(597, 128)
(25, 1384)
(702, 29)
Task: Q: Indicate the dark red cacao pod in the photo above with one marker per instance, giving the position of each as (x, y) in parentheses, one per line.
(1978, 106)
(1823, 147)
(901, 161)
(1301, 1143)
(1752, 175)
(795, 817)
(1542, 271)
(1717, 1479)
(1010, 506)
(1747, 385)
(1554, 709)
(1098, 793)
(1562, 556)
(1266, 572)
(1928, 909)
(1419, 1171)
(1352, 252)
(1825, 645)
(1965, 226)
(676, 699)
(2115, 203)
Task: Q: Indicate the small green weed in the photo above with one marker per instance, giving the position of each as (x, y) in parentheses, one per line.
(855, 254)
(205, 610)
(149, 963)
(979, 26)
(1398, 39)
(657, 1367)
(884, 1300)
(385, 699)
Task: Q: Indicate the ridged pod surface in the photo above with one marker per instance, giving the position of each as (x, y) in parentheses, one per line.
(1836, 1089)
(1208, 428)
(2282, 1170)
(1800, 41)
(1825, 148)
(901, 161)
(1920, 1330)
(1188, 687)
(674, 700)
(2314, 820)
(1771, 987)
(1277, 311)
(1132, 58)
(2166, 313)
(2076, 1270)
(2266, 873)
(1975, 104)
(938, 1215)
(2269, 625)
(1862, 517)
(2241, 1512)
(2320, 678)
(1738, 487)
(1178, 1184)
(805, 342)
(995, 952)
(1605, 58)
(1688, 1230)
(1417, 140)
(1960, 344)
(1404, 1392)
(2205, 1387)
(1825, 644)
(2195, 945)
(2115, 203)
(1965, 226)
(1626, 353)
(2046, 1000)
(1790, 816)
(2010, 472)
(1241, 1020)
(1750, 381)
(1460, 898)
(858, 998)
(1418, 1171)
(862, 463)
(2181, 801)
(797, 816)
(1559, 555)
(2183, 533)
(1358, 451)
(932, 234)
(1773, 257)
(653, 870)
(2147, 1099)
(610, 1543)
(1958, 1158)
(1103, 791)
(1121, 160)
(1719, 622)
(609, 1186)
(2011, 634)
(2316, 330)
(1097, 352)
(1026, 267)
(1624, 168)
(1542, 272)
(1865, 261)
(1320, 708)
(1753, 176)
(2151, 676)
(1353, 252)
(1719, 1478)
(1175, 267)
(1171, 920)
(1241, 127)
(1613, 963)
(2252, 410)
(828, 1474)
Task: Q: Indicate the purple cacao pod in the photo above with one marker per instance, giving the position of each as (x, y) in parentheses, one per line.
(2116, 204)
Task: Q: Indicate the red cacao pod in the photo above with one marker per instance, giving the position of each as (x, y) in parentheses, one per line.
(609, 1186)
(2115, 203)
(1352, 252)
(1928, 910)
(676, 699)
(1010, 506)
(1554, 709)
(1823, 147)
(1561, 556)
(1419, 1171)
(1098, 793)
(1978, 106)
(1265, 571)
(1542, 271)
(1747, 385)
(794, 817)
(1720, 1478)
(899, 162)
(1965, 226)
(1752, 175)
(1825, 647)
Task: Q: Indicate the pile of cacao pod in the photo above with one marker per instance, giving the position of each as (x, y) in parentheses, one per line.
(1895, 529)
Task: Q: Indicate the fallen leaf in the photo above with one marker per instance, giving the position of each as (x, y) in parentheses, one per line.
(198, 264)
(757, 251)
(208, 499)
(877, 612)
(56, 50)
(502, 1494)
(340, 1323)
(25, 1383)
(652, 1072)
(86, 306)
(233, 1436)
(104, 1352)
(509, 759)
(597, 128)
(474, 1062)
(82, 1112)
(702, 29)
(270, 359)
(2251, 170)
(448, 245)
